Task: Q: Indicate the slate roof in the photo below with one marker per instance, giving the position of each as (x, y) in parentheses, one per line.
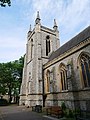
(70, 44)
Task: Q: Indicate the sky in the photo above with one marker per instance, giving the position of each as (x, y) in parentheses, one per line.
(72, 16)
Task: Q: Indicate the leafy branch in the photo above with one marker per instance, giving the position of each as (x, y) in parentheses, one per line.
(3, 3)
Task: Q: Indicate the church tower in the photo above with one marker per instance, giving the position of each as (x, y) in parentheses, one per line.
(41, 42)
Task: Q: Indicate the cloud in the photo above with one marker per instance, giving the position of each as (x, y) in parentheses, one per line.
(69, 13)
(76, 18)
(72, 16)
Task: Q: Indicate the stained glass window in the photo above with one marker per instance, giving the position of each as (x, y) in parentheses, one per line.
(85, 67)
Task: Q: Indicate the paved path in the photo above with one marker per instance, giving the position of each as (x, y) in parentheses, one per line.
(21, 113)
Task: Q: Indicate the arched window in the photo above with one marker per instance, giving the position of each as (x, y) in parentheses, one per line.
(31, 47)
(85, 69)
(48, 81)
(47, 45)
(63, 76)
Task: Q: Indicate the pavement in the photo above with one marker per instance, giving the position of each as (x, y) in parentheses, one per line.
(22, 113)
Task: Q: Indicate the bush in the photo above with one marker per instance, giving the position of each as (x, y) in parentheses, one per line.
(3, 102)
(69, 113)
(63, 106)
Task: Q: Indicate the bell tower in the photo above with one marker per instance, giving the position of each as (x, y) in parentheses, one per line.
(41, 42)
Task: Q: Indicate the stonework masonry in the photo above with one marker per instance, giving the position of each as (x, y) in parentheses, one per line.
(53, 74)
(35, 58)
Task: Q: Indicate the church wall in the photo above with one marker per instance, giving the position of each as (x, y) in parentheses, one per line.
(32, 71)
(35, 58)
(23, 85)
(65, 66)
(75, 95)
(22, 100)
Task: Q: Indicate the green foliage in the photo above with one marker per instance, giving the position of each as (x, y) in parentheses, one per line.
(3, 90)
(3, 102)
(71, 114)
(3, 3)
(63, 106)
(11, 77)
(77, 110)
(68, 113)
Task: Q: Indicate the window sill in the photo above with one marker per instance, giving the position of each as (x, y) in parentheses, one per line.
(64, 91)
(47, 92)
(87, 88)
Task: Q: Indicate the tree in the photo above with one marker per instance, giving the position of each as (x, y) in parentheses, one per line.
(11, 77)
(17, 74)
(3, 3)
(6, 77)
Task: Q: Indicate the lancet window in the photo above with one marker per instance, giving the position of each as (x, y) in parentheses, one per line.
(47, 45)
(63, 77)
(85, 69)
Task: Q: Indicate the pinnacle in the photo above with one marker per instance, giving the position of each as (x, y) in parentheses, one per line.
(38, 15)
(55, 24)
(30, 28)
(38, 18)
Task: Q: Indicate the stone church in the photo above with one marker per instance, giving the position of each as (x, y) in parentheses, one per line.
(53, 74)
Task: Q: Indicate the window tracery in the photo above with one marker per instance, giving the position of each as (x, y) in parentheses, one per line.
(85, 69)
(63, 77)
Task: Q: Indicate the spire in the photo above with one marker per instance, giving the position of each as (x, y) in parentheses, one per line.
(55, 25)
(38, 15)
(38, 18)
(30, 29)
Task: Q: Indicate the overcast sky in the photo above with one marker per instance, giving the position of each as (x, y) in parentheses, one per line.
(72, 17)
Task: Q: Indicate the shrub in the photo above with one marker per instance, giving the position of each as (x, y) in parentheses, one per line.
(63, 106)
(71, 114)
(68, 113)
(3, 102)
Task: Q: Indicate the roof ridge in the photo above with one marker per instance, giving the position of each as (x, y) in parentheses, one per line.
(80, 37)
